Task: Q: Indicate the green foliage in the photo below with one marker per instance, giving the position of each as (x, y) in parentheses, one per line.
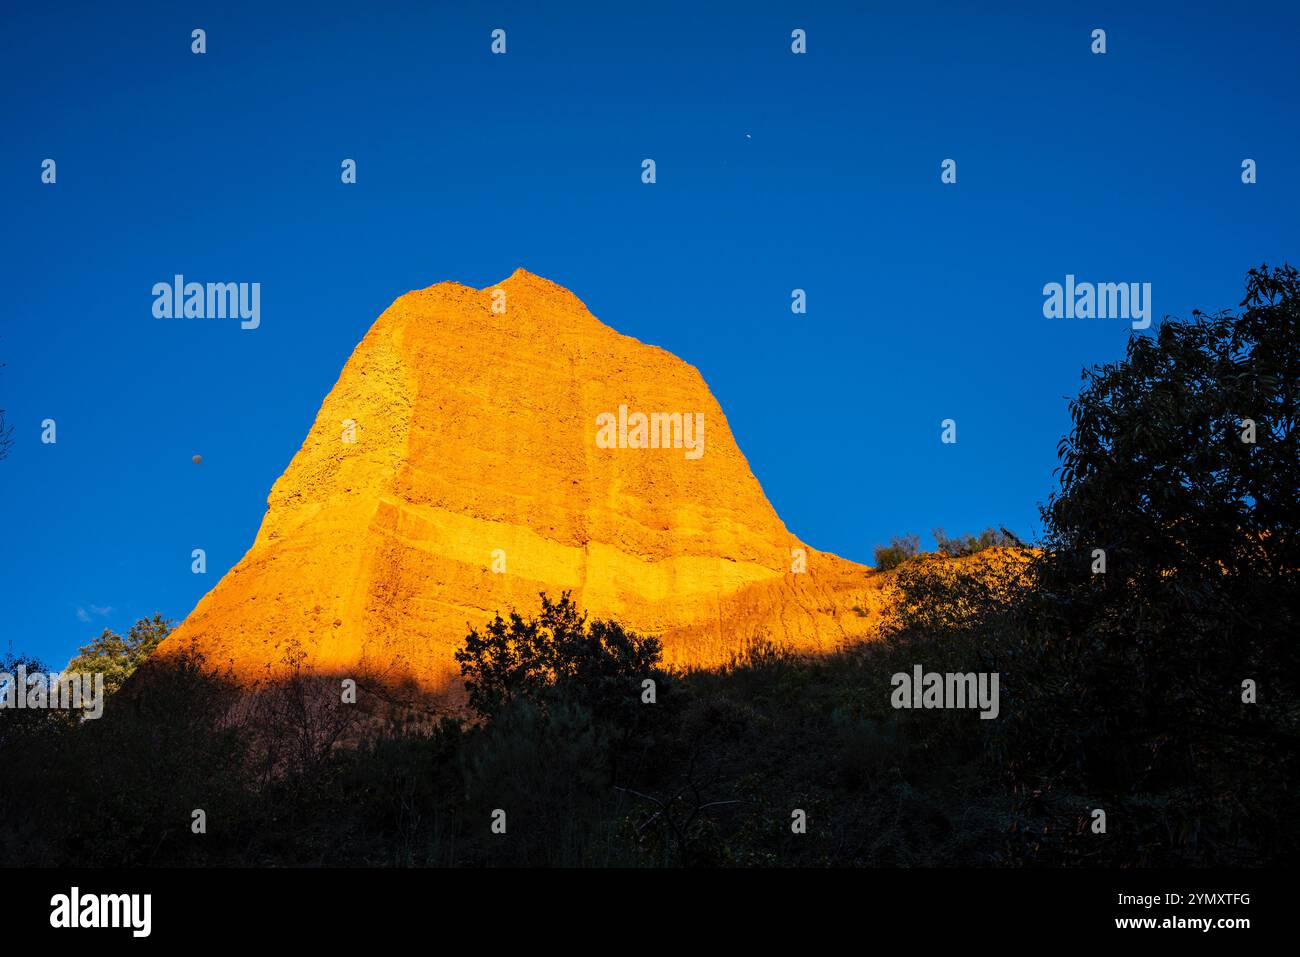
(962, 545)
(900, 549)
(117, 657)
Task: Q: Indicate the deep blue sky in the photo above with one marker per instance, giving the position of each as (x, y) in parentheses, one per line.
(775, 171)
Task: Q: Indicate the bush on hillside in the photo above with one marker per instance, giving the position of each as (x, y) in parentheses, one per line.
(900, 549)
(960, 546)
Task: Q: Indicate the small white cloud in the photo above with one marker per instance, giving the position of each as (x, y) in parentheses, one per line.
(102, 611)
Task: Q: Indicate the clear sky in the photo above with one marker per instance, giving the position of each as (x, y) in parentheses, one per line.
(775, 171)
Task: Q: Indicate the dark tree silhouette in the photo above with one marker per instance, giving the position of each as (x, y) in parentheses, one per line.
(597, 664)
(1182, 466)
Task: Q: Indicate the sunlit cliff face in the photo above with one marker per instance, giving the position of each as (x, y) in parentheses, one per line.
(483, 445)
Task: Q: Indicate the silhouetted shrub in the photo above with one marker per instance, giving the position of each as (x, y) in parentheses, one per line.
(558, 656)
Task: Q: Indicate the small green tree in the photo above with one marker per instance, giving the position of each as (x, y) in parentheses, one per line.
(899, 550)
(117, 657)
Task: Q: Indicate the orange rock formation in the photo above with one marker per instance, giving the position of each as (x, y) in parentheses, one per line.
(458, 467)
